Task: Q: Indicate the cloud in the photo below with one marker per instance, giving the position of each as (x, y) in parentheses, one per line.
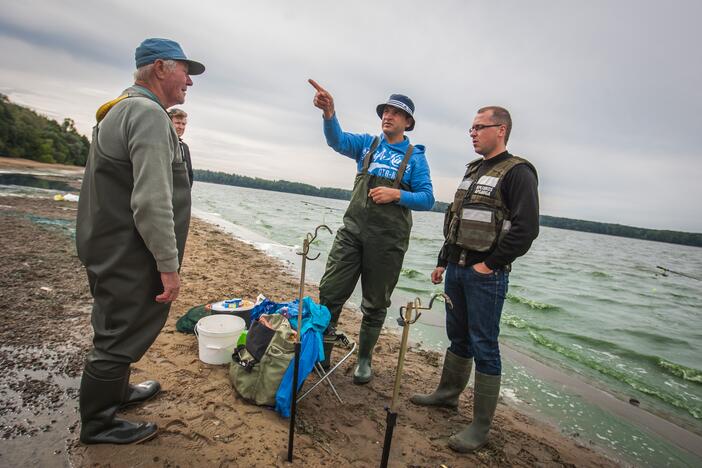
(604, 95)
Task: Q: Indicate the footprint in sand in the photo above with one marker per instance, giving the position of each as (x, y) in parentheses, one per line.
(190, 441)
(183, 374)
(176, 423)
(158, 357)
(184, 349)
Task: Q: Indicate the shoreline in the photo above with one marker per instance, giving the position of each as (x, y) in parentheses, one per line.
(681, 437)
(643, 417)
(674, 434)
(210, 275)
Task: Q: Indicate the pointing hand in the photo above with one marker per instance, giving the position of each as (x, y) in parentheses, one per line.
(323, 100)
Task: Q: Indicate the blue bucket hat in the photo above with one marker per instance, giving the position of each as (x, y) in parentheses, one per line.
(400, 101)
(156, 48)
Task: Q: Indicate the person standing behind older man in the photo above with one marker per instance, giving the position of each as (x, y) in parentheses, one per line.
(180, 120)
(133, 219)
(493, 220)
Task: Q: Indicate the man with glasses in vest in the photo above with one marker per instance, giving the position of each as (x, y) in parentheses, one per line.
(392, 178)
(132, 223)
(493, 219)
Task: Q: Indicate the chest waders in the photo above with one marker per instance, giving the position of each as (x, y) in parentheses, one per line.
(371, 245)
(124, 281)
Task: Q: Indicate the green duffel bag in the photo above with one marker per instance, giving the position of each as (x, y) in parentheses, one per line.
(259, 365)
(186, 324)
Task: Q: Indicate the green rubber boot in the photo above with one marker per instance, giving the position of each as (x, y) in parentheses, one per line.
(485, 395)
(454, 379)
(368, 337)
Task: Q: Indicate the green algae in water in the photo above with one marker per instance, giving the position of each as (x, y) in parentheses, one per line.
(26, 180)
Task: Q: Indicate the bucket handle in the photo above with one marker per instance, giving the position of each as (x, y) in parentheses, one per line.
(209, 346)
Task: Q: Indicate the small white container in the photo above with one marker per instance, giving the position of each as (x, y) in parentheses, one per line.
(217, 336)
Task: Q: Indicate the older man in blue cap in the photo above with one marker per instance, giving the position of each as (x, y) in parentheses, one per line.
(133, 219)
(392, 179)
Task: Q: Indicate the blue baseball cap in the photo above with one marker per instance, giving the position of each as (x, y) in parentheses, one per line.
(156, 48)
(400, 101)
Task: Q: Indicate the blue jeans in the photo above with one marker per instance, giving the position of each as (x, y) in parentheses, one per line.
(473, 324)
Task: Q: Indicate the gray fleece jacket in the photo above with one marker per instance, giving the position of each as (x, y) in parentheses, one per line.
(140, 130)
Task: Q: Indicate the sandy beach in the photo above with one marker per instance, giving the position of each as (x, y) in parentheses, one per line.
(45, 306)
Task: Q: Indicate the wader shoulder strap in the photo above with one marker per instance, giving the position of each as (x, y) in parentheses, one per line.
(369, 155)
(105, 108)
(403, 166)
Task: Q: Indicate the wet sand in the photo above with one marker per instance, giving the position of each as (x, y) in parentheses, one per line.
(45, 307)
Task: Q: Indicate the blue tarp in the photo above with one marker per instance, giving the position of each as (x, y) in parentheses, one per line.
(315, 319)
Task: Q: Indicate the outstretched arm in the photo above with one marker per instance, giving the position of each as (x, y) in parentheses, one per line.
(348, 144)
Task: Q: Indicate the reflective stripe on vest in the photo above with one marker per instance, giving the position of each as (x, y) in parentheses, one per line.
(478, 218)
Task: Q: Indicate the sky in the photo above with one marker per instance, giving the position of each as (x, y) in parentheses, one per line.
(605, 96)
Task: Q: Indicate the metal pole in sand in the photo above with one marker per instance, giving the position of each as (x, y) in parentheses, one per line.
(296, 366)
(405, 320)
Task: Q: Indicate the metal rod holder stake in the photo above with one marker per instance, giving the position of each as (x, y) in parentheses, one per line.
(411, 315)
(309, 238)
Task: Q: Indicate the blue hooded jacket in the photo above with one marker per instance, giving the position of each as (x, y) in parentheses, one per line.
(386, 162)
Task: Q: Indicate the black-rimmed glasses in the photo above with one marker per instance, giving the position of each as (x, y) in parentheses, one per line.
(477, 128)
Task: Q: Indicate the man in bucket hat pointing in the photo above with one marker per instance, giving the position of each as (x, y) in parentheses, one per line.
(133, 218)
(392, 178)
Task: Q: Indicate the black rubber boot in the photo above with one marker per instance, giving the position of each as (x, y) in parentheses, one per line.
(485, 396)
(454, 379)
(368, 337)
(99, 401)
(137, 394)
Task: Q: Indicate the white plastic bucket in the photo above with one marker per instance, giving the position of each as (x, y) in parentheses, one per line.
(217, 336)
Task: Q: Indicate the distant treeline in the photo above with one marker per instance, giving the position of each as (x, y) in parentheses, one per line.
(672, 237)
(274, 185)
(26, 134)
(281, 186)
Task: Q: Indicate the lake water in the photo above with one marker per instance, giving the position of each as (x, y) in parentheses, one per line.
(593, 305)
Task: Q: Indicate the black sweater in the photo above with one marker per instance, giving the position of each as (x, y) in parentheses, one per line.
(188, 162)
(521, 197)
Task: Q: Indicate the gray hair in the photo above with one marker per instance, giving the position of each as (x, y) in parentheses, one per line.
(144, 72)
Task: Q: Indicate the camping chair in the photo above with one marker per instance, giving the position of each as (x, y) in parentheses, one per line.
(338, 339)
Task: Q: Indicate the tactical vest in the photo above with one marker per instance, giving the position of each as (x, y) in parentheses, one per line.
(478, 218)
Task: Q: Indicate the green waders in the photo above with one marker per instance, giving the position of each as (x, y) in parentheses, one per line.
(371, 244)
(124, 281)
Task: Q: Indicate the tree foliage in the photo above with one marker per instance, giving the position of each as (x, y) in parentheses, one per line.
(274, 185)
(26, 134)
(671, 237)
